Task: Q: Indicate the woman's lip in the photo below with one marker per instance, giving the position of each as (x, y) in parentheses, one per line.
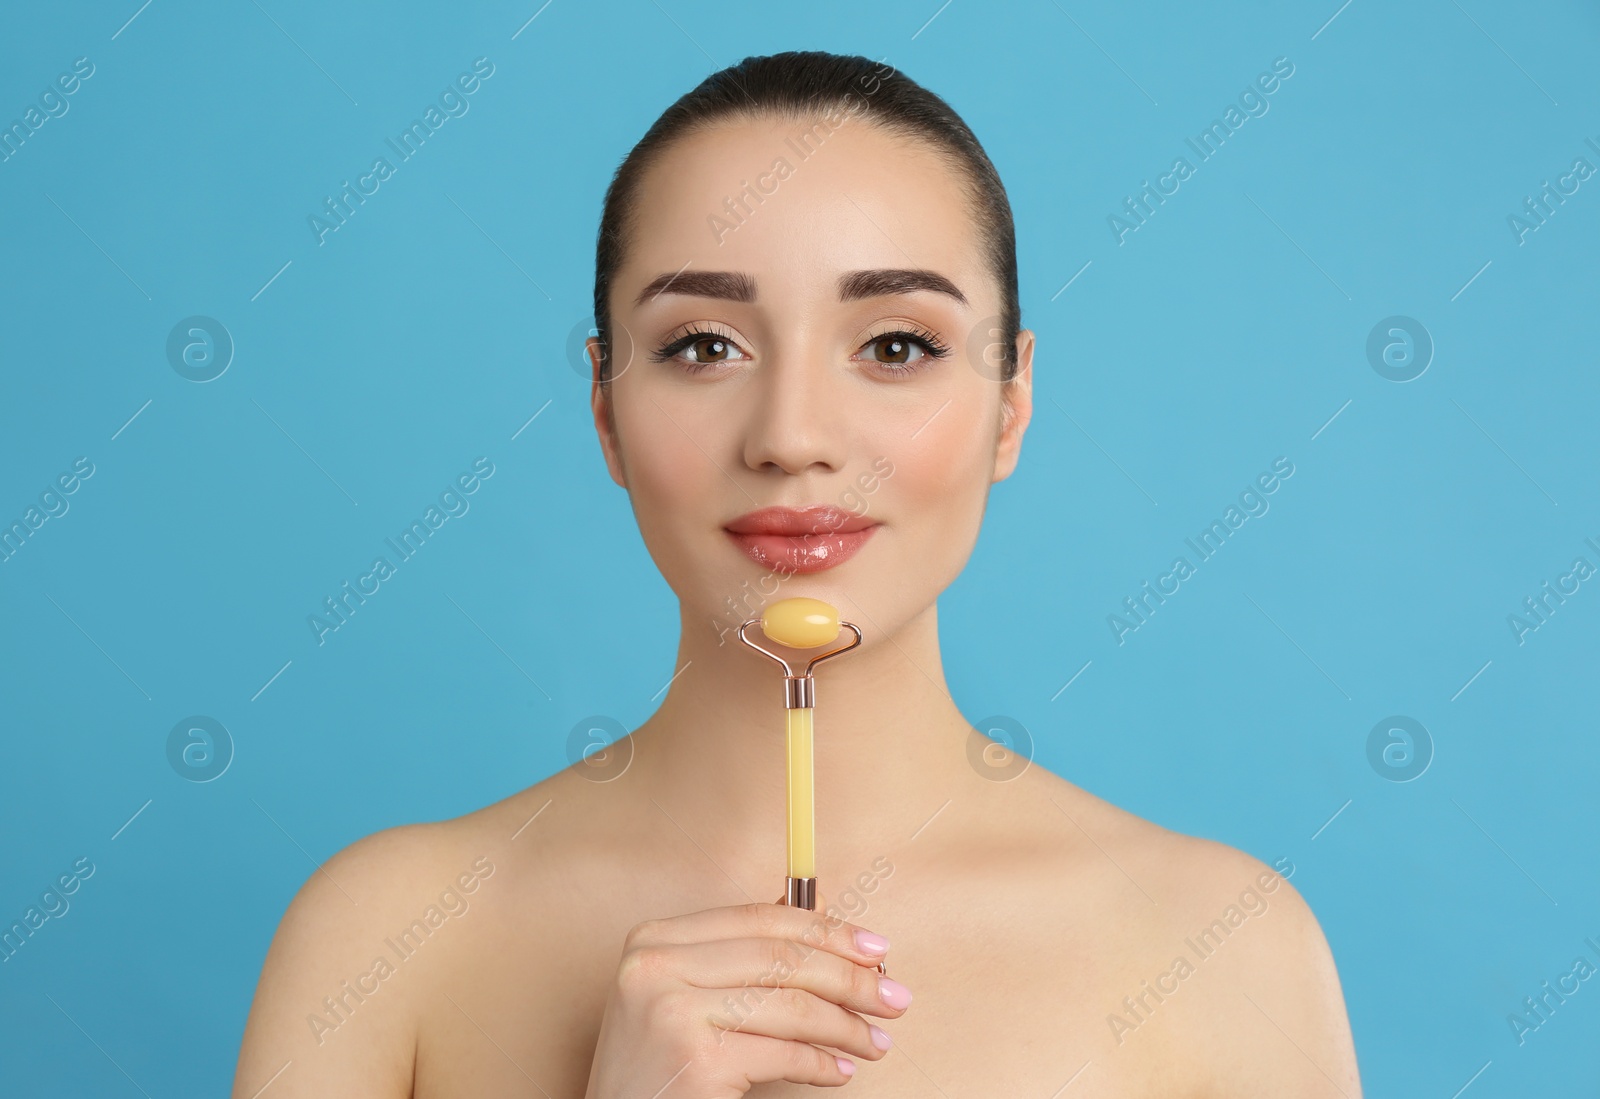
(803, 552)
(799, 521)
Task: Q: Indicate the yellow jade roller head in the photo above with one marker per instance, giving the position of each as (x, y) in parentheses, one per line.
(800, 623)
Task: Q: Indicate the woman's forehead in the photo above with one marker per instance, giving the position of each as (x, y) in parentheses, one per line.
(799, 207)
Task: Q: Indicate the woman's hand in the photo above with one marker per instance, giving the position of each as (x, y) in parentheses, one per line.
(707, 1004)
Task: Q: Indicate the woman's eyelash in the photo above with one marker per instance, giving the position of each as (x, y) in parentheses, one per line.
(930, 341)
(674, 345)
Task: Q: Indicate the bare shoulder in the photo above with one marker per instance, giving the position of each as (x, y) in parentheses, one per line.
(336, 1006)
(1224, 960)
(1276, 1021)
(1182, 874)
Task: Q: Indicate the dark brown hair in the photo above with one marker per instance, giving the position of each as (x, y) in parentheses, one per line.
(803, 85)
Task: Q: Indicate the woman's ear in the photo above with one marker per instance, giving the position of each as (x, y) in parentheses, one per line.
(605, 418)
(1016, 408)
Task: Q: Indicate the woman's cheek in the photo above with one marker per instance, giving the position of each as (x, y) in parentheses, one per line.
(941, 481)
(669, 479)
(948, 461)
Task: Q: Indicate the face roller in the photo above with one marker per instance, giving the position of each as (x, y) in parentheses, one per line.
(801, 623)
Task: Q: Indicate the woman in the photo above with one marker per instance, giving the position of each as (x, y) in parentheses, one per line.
(809, 372)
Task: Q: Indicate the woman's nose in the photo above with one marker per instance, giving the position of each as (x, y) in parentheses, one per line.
(796, 417)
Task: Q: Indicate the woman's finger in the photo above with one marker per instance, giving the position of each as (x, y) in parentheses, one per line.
(755, 966)
(762, 1060)
(795, 1014)
(761, 920)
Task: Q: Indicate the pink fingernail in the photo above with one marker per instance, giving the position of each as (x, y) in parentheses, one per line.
(845, 1066)
(894, 993)
(880, 1037)
(868, 943)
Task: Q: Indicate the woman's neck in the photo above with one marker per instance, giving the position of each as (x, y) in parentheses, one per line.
(890, 745)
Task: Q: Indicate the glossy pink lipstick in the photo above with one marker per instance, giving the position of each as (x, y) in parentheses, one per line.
(795, 540)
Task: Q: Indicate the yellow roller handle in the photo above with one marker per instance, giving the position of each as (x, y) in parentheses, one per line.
(801, 795)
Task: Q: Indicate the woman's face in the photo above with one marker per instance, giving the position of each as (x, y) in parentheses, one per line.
(805, 320)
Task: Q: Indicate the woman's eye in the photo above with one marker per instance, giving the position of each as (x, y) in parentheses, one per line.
(711, 349)
(897, 349)
(907, 352)
(698, 349)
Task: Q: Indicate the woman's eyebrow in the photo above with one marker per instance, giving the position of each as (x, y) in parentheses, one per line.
(729, 285)
(895, 280)
(854, 285)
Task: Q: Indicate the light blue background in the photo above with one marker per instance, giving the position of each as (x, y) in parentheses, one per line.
(377, 366)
